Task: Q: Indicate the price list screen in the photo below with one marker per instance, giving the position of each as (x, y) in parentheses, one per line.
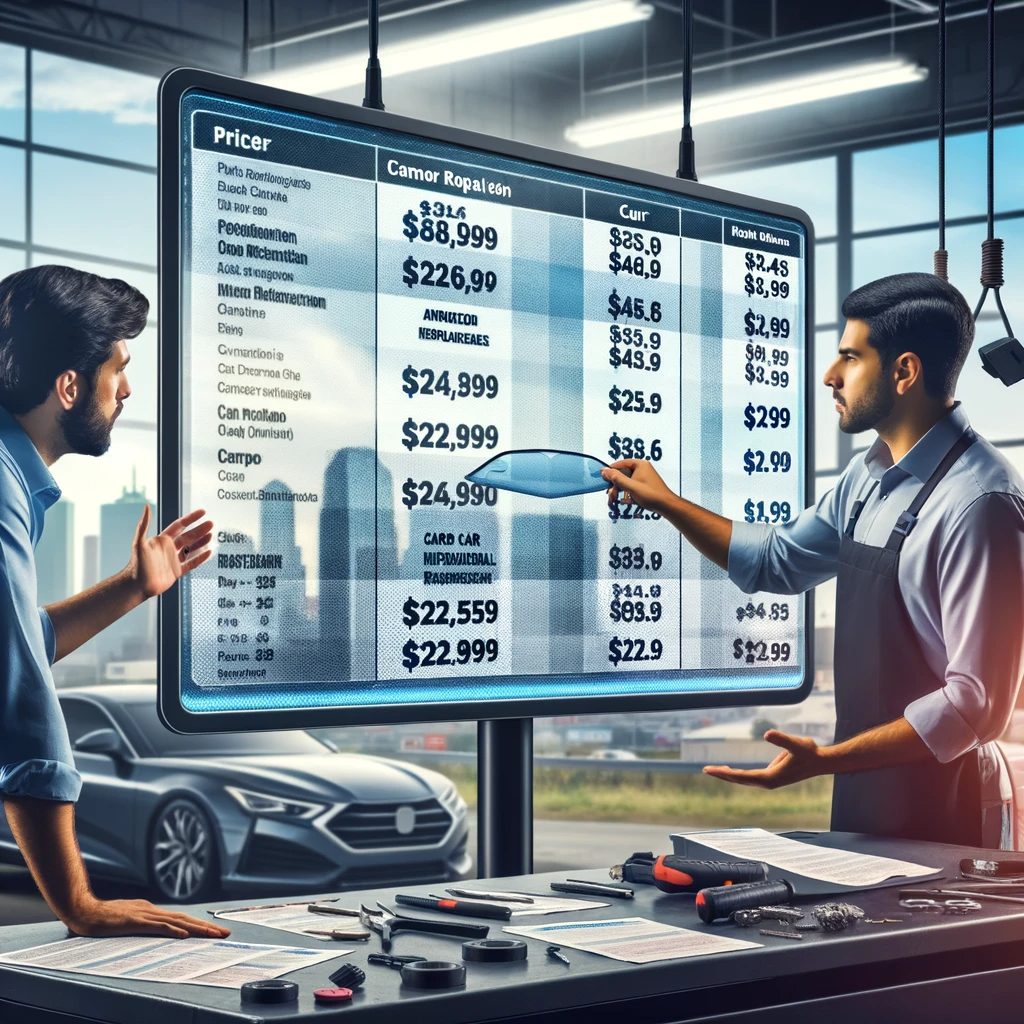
(397, 366)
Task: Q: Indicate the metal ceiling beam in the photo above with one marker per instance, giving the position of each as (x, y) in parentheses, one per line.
(917, 6)
(81, 27)
(333, 27)
(704, 19)
(817, 40)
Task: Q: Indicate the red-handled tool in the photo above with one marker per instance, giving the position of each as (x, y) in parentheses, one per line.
(671, 873)
(465, 907)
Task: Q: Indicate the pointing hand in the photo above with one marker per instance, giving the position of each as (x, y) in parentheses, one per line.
(640, 483)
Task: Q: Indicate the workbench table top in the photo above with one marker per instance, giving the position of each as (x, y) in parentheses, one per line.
(866, 956)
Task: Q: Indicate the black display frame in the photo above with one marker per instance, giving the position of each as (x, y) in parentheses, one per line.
(172, 89)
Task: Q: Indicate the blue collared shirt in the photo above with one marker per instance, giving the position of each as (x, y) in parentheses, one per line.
(961, 572)
(35, 753)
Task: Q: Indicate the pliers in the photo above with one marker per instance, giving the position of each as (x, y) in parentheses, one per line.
(387, 923)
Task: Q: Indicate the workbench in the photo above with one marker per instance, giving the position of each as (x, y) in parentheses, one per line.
(928, 967)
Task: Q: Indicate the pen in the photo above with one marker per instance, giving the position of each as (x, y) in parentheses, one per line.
(340, 936)
(469, 894)
(591, 889)
(265, 906)
(609, 888)
(468, 909)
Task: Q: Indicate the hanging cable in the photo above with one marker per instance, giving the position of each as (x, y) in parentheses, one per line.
(374, 95)
(1004, 358)
(687, 159)
(941, 258)
(992, 247)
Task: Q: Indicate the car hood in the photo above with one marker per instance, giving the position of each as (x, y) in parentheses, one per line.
(335, 777)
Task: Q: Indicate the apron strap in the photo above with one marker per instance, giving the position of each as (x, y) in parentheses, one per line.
(858, 507)
(908, 520)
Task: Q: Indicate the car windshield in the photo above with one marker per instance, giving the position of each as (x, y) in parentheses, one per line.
(164, 743)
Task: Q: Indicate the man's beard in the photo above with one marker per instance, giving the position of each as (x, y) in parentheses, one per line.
(86, 430)
(868, 411)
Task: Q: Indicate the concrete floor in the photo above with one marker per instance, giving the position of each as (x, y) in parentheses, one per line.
(557, 845)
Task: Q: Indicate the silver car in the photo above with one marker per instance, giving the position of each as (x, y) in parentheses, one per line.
(254, 812)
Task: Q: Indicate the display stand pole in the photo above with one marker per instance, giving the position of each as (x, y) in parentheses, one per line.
(504, 803)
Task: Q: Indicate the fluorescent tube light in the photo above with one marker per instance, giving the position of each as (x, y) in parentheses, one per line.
(498, 35)
(754, 99)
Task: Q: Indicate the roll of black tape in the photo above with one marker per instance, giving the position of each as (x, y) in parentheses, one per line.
(434, 974)
(494, 951)
(721, 900)
(272, 990)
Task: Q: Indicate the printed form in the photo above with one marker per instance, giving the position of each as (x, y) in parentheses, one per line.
(633, 939)
(825, 864)
(191, 961)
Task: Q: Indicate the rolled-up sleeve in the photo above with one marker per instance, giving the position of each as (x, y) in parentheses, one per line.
(787, 559)
(35, 754)
(981, 594)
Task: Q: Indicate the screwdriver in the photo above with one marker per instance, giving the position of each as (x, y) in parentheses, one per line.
(671, 873)
(467, 908)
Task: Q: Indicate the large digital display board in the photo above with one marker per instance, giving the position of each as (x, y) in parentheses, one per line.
(395, 358)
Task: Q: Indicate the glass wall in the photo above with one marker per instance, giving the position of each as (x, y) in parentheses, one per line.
(78, 165)
(894, 228)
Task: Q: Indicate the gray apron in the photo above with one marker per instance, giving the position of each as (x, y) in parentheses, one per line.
(879, 669)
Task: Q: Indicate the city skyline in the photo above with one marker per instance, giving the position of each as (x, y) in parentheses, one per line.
(55, 555)
(132, 637)
(551, 552)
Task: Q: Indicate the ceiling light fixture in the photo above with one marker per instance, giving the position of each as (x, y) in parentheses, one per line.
(498, 35)
(754, 99)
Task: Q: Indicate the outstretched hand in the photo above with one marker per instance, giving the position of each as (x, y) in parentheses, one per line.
(140, 917)
(799, 759)
(157, 563)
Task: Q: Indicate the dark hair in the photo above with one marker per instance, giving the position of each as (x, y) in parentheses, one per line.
(54, 319)
(917, 313)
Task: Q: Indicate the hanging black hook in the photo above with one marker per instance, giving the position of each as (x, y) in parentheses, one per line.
(1003, 359)
(687, 159)
(374, 95)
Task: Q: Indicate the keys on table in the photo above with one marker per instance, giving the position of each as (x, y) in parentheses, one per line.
(556, 952)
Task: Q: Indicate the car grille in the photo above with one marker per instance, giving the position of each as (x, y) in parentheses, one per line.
(268, 855)
(372, 826)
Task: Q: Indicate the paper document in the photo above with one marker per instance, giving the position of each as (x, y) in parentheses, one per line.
(272, 964)
(837, 866)
(191, 961)
(540, 904)
(633, 939)
(297, 920)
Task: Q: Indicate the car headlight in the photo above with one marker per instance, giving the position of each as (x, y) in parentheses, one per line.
(274, 806)
(450, 797)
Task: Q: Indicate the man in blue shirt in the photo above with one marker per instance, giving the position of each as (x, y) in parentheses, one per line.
(925, 534)
(63, 356)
